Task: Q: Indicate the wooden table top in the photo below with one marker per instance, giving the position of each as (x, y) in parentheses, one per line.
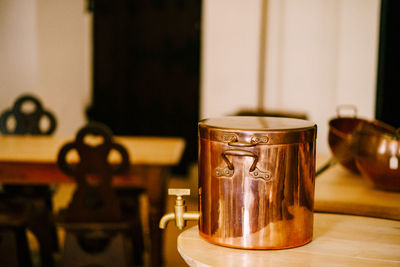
(338, 190)
(44, 149)
(339, 240)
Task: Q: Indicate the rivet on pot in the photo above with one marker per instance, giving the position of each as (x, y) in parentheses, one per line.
(258, 139)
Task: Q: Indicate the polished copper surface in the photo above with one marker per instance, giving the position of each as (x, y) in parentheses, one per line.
(378, 160)
(256, 182)
(342, 137)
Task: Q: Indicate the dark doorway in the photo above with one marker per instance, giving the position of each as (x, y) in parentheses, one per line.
(388, 86)
(147, 68)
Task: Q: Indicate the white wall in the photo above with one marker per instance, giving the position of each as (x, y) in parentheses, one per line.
(45, 50)
(229, 56)
(320, 54)
(18, 45)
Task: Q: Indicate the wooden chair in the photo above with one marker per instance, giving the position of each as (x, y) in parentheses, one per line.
(35, 202)
(97, 231)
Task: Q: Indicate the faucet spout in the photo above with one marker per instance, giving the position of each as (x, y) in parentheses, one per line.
(179, 215)
(165, 219)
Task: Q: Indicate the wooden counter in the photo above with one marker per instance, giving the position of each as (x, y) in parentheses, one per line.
(339, 240)
(33, 159)
(142, 150)
(338, 190)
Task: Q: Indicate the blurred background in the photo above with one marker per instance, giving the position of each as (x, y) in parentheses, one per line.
(157, 67)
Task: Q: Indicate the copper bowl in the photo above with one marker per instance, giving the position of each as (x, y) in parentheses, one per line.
(343, 132)
(378, 159)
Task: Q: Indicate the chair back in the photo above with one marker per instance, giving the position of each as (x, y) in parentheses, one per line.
(27, 122)
(94, 199)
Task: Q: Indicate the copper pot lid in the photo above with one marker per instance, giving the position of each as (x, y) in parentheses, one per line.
(256, 123)
(257, 129)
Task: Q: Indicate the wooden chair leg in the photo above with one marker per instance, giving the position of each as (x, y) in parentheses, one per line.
(45, 240)
(14, 249)
(130, 207)
(36, 202)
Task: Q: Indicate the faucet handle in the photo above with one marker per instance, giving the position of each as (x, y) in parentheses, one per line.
(179, 192)
(179, 215)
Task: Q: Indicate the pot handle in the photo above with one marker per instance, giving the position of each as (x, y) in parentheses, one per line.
(344, 107)
(239, 152)
(254, 171)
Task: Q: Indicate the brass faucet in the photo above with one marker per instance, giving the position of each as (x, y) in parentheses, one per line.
(180, 215)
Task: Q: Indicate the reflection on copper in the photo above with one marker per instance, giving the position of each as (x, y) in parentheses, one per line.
(378, 160)
(382, 147)
(246, 212)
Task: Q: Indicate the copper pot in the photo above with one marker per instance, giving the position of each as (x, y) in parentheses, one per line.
(256, 181)
(343, 133)
(378, 159)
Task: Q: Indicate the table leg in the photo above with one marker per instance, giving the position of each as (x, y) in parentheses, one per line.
(156, 190)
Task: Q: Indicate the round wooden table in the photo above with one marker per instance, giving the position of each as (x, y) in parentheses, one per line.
(340, 240)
